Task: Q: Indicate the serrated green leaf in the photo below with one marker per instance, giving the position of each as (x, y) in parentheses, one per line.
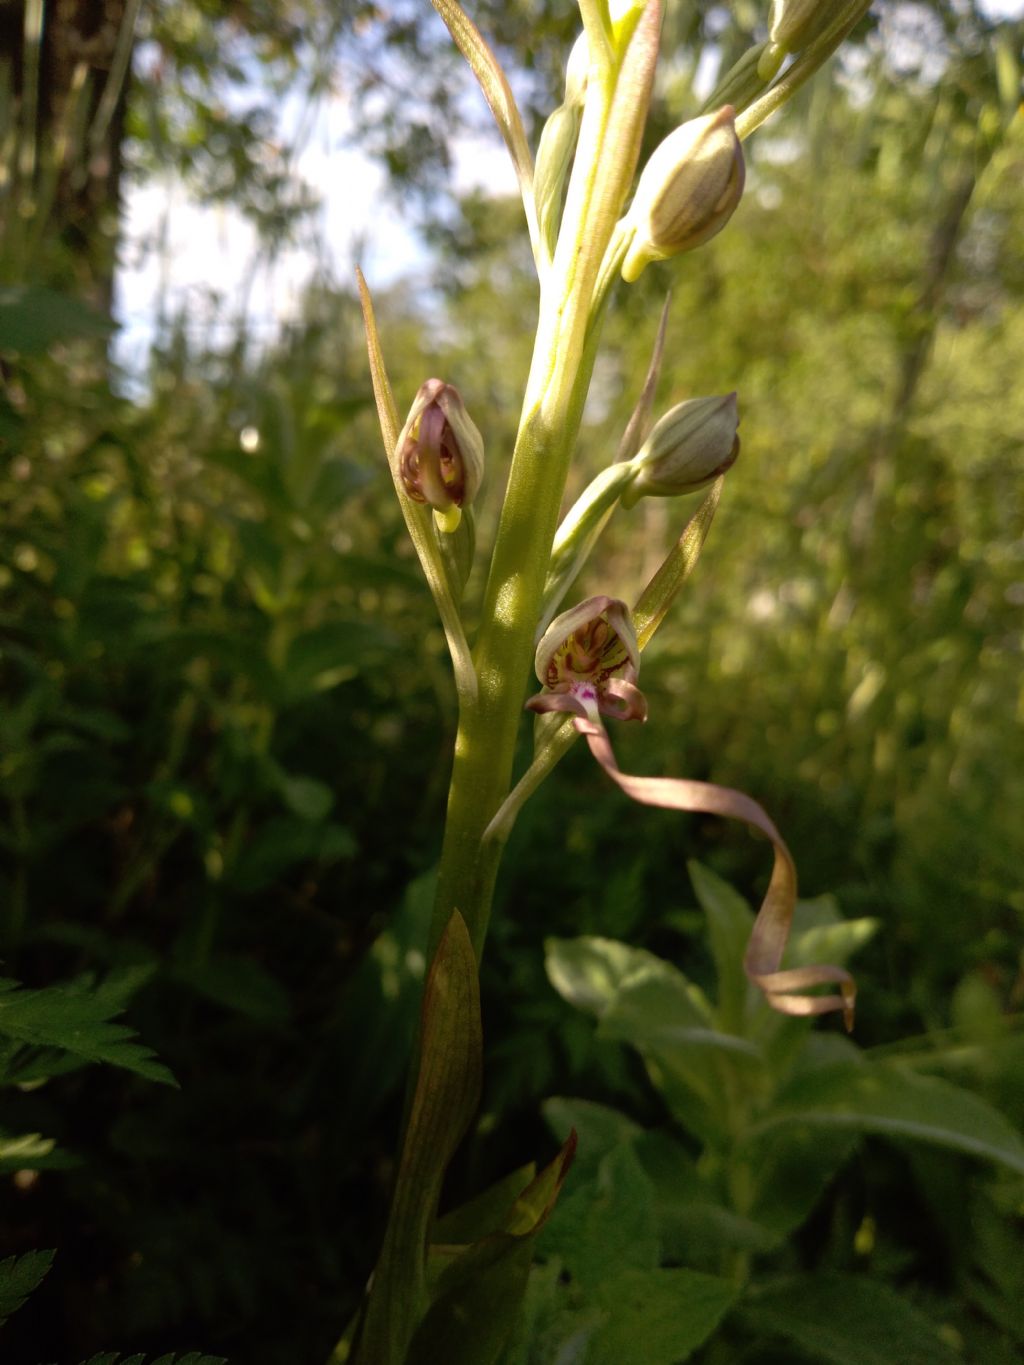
(75, 1018)
(847, 1320)
(19, 1276)
(893, 1101)
(658, 1317)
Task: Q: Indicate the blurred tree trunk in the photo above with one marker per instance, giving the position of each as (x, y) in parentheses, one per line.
(68, 74)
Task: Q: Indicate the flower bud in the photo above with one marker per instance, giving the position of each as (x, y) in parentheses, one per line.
(577, 70)
(554, 157)
(440, 452)
(795, 24)
(687, 448)
(687, 191)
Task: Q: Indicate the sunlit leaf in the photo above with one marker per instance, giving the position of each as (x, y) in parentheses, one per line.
(890, 1100)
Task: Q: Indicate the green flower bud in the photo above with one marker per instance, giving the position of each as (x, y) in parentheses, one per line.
(795, 24)
(577, 69)
(687, 191)
(554, 157)
(440, 453)
(687, 448)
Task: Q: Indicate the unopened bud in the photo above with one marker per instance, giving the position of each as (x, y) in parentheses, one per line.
(687, 191)
(577, 69)
(554, 157)
(795, 24)
(687, 448)
(440, 452)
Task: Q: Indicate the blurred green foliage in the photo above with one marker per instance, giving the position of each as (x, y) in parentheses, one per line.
(225, 734)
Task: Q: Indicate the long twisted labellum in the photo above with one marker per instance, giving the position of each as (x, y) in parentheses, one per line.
(762, 962)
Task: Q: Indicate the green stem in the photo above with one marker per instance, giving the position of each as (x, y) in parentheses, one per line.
(560, 373)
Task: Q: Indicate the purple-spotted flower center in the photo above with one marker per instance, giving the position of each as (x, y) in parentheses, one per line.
(588, 660)
(591, 654)
(431, 461)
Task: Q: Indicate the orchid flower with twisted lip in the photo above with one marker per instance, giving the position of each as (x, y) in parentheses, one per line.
(588, 660)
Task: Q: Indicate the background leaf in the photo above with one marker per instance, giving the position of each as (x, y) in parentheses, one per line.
(847, 1320)
(19, 1275)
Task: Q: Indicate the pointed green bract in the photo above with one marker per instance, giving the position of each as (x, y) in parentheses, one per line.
(444, 1100)
(498, 94)
(477, 1295)
(656, 599)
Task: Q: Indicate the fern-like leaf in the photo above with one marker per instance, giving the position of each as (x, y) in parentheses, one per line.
(74, 1019)
(19, 1275)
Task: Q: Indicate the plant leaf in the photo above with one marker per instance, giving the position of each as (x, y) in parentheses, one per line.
(588, 971)
(730, 920)
(847, 1320)
(606, 1225)
(484, 1214)
(658, 1317)
(75, 1018)
(444, 1101)
(478, 1294)
(19, 1276)
(32, 318)
(895, 1102)
(33, 1152)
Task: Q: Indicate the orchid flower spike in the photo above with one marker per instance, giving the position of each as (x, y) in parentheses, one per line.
(440, 452)
(588, 660)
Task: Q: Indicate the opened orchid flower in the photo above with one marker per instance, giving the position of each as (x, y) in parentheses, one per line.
(588, 660)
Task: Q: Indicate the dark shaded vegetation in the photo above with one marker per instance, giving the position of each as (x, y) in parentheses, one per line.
(227, 720)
